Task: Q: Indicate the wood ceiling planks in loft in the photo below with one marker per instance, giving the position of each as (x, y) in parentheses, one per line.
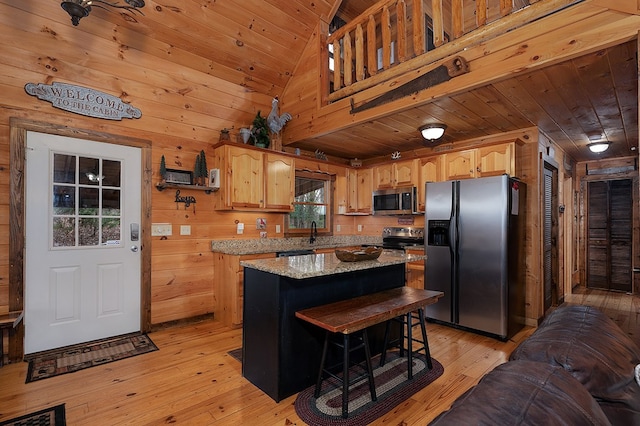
(589, 95)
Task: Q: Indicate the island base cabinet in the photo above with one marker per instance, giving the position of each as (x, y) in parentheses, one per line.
(281, 353)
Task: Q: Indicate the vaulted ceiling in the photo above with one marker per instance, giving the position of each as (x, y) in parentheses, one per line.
(257, 44)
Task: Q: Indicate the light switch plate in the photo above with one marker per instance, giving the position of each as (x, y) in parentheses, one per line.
(160, 229)
(185, 229)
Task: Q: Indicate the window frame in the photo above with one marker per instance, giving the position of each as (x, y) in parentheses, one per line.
(329, 186)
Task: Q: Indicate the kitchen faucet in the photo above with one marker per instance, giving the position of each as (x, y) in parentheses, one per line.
(314, 232)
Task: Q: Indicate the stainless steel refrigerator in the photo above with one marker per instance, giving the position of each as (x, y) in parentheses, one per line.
(474, 244)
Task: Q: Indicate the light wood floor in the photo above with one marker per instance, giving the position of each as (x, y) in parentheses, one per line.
(192, 379)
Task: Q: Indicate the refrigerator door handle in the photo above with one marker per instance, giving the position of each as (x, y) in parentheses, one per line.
(453, 244)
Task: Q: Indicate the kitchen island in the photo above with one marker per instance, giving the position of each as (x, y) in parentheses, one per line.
(281, 353)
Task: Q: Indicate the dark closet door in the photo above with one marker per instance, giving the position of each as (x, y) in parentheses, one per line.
(609, 235)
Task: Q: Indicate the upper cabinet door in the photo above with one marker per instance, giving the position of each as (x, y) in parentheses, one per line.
(496, 160)
(360, 191)
(393, 175)
(384, 176)
(245, 178)
(459, 165)
(406, 173)
(279, 182)
(430, 171)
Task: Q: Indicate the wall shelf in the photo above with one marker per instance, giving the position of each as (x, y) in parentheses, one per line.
(163, 186)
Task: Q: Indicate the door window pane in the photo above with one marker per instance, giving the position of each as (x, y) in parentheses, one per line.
(111, 173)
(86, 201)
(111, 202)
(89, 171)
(88, 231)
(111, 231)
(64, 232)
(64, 199)
(64, 168)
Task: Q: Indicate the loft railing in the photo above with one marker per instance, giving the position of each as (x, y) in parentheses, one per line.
(394, 31)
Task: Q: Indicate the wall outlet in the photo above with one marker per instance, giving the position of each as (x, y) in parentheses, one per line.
(277, 229)
(359, 228)
(337, 228)
(240, 228)
(160, 229)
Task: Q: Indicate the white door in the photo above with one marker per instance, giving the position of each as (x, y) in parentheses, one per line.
(82, 264)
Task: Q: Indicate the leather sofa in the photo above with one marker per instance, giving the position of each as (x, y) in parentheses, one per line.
(577, 368)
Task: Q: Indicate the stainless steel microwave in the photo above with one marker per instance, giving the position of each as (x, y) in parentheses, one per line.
(395, 201)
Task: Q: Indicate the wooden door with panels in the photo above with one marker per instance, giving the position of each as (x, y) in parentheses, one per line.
(610, 235)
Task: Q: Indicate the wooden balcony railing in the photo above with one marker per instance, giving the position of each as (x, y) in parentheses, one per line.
(394, 31)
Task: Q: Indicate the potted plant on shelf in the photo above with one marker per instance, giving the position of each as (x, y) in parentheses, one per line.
(260, 131)
(163, 170)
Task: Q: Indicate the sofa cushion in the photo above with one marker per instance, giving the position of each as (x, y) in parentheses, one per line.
(595, 351)
(525, 393)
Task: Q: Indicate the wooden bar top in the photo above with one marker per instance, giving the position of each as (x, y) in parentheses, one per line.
(11, 319)
(361, 312)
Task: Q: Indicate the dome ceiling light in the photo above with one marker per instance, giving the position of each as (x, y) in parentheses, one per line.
(599, 147)
(434, 131)
(78, 9)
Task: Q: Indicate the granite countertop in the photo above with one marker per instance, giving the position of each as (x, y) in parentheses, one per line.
(317, 265)
(271, 245)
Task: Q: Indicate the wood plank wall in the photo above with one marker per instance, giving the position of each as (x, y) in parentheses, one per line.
(183, 110)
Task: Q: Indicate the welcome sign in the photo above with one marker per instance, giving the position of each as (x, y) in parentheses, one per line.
(82, 100)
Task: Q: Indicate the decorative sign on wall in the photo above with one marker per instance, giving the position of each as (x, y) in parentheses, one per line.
(83, 100)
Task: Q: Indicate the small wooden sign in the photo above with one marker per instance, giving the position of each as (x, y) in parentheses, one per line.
(82, 100)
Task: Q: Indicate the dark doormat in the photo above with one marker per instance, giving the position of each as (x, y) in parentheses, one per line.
(65, 360)
(53, 416)
(236, 354)
(392, 388)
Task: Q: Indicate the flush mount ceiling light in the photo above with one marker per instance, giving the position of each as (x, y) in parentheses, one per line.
(599, 147)
(433, 131)
(78, 9)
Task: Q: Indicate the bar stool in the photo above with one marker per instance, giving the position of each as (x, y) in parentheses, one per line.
(347, 348)
(407, 322)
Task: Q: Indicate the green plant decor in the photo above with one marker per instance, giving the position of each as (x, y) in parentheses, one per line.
(260, 131)
(163, 169)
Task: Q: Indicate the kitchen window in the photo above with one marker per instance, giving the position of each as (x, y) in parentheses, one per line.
(312, 203)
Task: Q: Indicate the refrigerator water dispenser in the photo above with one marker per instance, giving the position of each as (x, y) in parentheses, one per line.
(438, 232)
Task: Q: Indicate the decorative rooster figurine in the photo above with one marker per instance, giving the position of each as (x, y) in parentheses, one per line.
(276, 122)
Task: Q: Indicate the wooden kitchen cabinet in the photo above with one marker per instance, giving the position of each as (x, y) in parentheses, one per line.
(394, 175)
(415, 270)
(253, 179)
(459, 165)
(496, 160)
(341, 192)
(359, 191)
(491, 160)
(279, 182)
(430, 171)
(228, 286)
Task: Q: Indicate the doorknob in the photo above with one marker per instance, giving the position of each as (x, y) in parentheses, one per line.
(134, 248)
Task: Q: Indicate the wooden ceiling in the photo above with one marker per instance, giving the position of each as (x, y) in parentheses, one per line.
(257, 44)
(590, 98)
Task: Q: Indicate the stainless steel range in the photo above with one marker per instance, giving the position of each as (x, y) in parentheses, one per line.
(400, 237)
